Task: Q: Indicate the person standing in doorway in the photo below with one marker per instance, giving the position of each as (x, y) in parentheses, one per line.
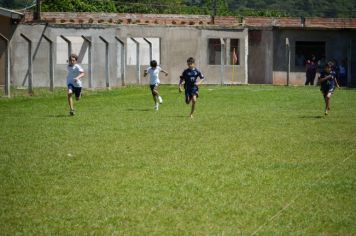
(311, 68)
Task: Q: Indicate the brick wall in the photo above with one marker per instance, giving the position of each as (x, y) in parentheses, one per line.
(331, 22)
(327, 23)
(192, 20)
(149, 19)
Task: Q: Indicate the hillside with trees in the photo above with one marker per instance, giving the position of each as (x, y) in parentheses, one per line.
(306, 8)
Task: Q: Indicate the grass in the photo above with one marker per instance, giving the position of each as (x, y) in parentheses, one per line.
(255, 160)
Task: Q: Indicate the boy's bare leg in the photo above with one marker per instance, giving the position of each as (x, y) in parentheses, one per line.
(194, 100)
(155, 96)
(70, 101)
(158, 98)
(327, 103)
(155, 99)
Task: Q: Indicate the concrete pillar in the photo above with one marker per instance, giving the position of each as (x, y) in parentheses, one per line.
(69, 45)
(122, 60)
(150, 46)
(90, 71)
(222, 61)
(107, 65)
(7, 67)
(51, 65)
(30, 64)
(138, 68)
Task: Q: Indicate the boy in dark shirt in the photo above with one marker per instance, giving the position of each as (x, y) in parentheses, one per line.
(327, 82)
(190, 78)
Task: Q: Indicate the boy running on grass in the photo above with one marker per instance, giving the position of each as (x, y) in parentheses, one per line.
(328, 82)
(74, 83)
(153, 71)
(190, 77)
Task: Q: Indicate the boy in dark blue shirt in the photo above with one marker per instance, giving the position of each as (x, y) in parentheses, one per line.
(328, 82)
(190, 78)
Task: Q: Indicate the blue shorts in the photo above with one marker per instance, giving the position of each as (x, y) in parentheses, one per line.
(153, 87)
(76, 90)
(190, 92)
(327, 89)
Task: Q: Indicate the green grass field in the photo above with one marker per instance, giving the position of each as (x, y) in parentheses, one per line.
(255, 160)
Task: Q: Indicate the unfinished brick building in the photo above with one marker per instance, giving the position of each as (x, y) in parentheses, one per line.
(115, 48)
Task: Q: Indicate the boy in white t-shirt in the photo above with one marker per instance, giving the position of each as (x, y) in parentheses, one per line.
(153, 71)
(74, 83)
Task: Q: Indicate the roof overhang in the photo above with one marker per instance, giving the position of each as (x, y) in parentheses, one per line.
(14, 15)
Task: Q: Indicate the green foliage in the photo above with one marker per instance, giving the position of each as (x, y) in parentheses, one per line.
(320, 8)
(277, 8)
(156, 7)
(78, 6)
(253, 12)
(254, 159)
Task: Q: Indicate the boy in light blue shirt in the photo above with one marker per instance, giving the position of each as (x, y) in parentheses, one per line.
(74, 83)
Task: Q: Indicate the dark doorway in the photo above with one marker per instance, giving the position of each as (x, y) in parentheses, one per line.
(352, 64)
(305, 49)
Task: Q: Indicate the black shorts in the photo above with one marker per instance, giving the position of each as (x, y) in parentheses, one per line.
(153, 87)
(327, 89)
(76, 90)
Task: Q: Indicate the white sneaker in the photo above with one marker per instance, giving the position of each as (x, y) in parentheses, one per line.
(156, 107)
(160, 99)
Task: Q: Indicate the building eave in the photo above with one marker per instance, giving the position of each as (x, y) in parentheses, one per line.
(15, 15)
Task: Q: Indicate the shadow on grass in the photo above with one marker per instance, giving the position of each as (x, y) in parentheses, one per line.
(139, 109)
(59, 116)
(179, 116)
(312, 117)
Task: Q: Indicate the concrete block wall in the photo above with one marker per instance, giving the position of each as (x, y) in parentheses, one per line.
(177, 43)
(180, 36)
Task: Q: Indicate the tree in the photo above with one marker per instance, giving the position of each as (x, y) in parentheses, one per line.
(306, 8)
(78, 6)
